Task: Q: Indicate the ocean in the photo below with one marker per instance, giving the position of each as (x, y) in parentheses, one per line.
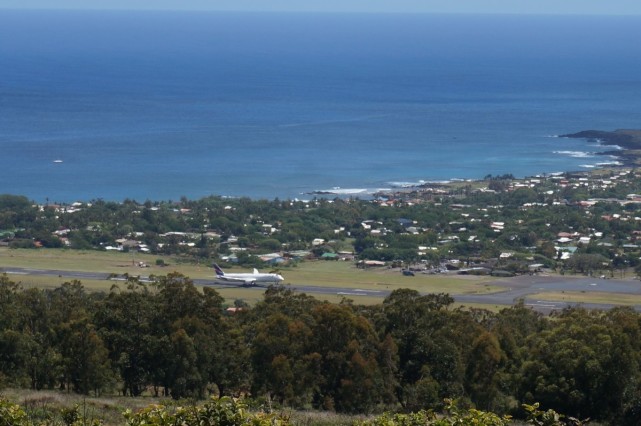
(161, 105)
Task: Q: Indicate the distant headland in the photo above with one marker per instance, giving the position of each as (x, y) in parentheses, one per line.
(629, 142)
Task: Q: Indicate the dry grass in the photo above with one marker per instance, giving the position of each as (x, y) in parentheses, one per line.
(41, 405)
(97, 261)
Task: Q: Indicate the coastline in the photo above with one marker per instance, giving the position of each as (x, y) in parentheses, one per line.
(627, 140)
(627, 154)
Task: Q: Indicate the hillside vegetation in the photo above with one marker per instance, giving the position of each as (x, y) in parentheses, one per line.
(168, 339)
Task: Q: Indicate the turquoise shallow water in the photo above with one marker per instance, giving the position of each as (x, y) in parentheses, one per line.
(159, 105)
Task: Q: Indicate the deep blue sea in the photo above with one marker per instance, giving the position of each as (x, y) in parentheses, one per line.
(159, 105)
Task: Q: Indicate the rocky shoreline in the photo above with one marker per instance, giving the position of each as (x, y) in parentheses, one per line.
(629, 142)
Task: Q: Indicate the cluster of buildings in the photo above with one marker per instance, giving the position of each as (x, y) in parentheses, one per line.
(473, 221)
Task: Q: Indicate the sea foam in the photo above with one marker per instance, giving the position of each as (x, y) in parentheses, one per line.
(576, 154)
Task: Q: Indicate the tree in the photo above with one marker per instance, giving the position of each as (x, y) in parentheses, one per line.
(486, 358)
(44, 365)
(280, 350)
(426, 354)
(583, 365)
(184, 375)
(350, 352)
(125, 321)
(587, 263)
(85, 359)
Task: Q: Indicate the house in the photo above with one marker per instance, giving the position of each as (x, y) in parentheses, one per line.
(405, 222)
(272, 258)
(535, 267)
(298, 254)
(371, 263)
(346, 255)
(497, 226)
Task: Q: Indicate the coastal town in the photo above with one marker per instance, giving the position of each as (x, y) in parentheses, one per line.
(574, 222)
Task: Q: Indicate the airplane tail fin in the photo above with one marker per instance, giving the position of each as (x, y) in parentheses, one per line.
(218, 270)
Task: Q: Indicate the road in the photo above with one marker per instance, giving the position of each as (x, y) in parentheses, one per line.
(514, 289)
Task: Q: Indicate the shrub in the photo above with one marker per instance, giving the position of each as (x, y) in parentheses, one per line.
(225, 411)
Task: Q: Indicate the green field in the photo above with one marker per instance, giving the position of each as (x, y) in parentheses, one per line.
(317, 273)
(95, 261)
(329, 274)
(620, 299)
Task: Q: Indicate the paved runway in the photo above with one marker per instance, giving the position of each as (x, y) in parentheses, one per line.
(515, 288)
(525, 287)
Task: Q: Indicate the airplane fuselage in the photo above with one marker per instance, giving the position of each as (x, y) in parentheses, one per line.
(248, 279)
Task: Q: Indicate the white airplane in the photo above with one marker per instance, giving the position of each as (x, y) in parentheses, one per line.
(247, 278)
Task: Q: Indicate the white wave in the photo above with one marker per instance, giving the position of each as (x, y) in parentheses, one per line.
(576, 154)
(610, 163)
(551, 136)
(402, 184)
(341, 191)
(587, 166)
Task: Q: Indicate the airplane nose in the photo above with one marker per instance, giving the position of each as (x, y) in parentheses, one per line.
(280, 278)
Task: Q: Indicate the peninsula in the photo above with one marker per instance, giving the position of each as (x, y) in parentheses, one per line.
(628, 140)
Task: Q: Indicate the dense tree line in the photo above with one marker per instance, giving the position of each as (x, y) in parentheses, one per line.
(408, 353)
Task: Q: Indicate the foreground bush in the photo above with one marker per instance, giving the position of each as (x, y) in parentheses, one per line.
(456, 416)
(228, 411)
(225, 411)
(12, 414)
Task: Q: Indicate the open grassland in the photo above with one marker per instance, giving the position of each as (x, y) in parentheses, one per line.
(345, 274)
(47, 405)
(343, 277)
(98, 261)
(621, 299)
(320, 273)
